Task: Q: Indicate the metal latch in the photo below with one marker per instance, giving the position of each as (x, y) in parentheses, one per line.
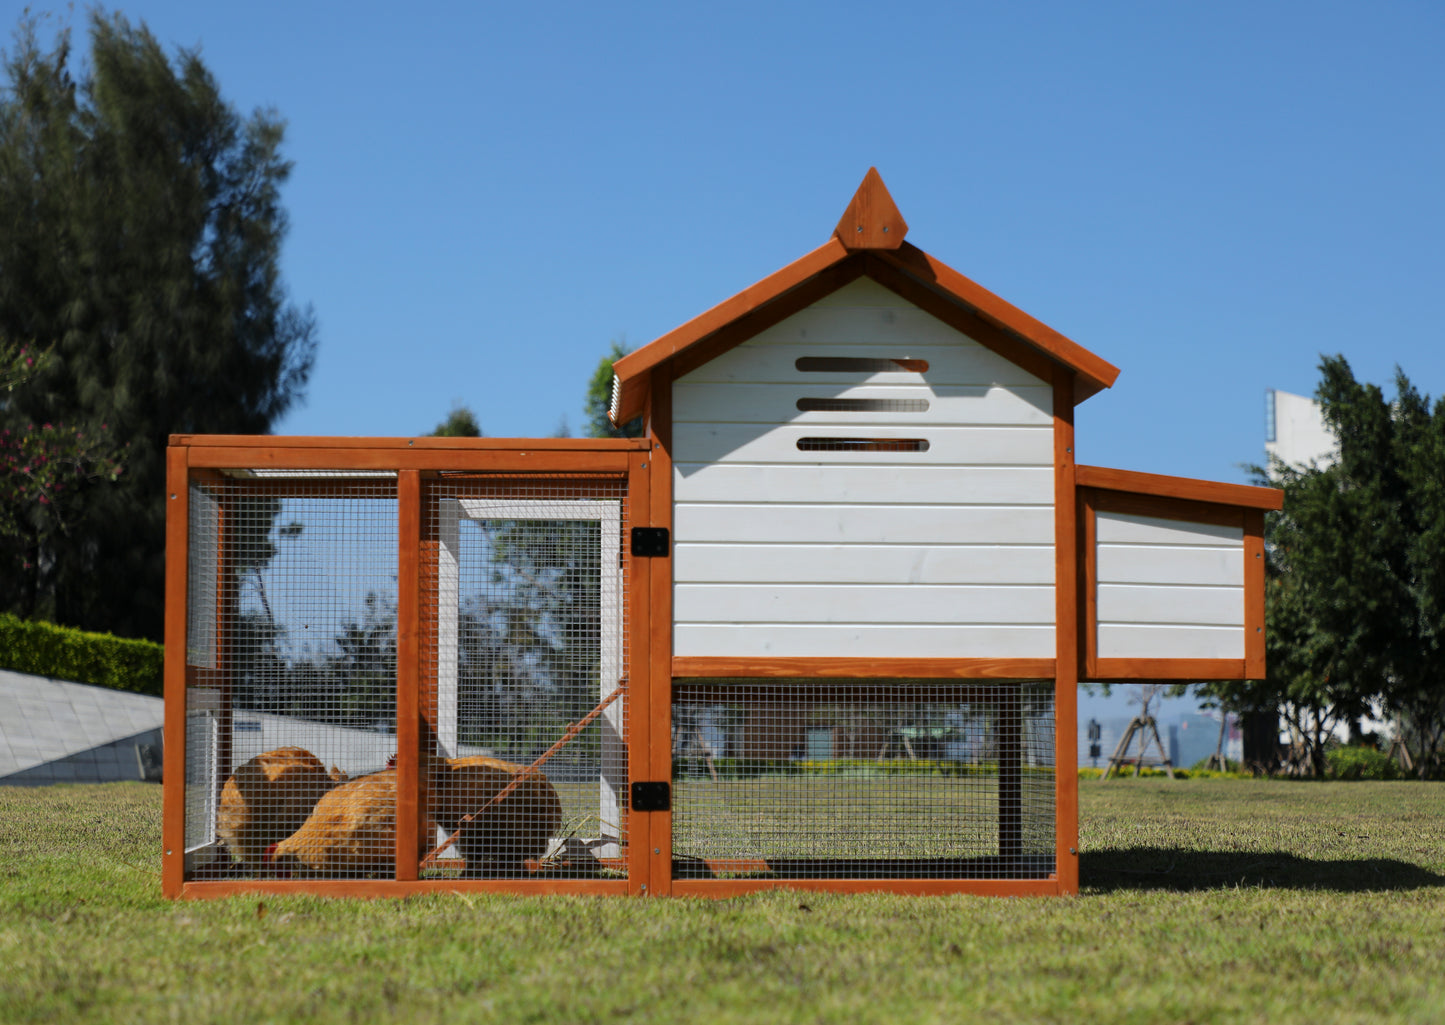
(652, 796)
(650, 542)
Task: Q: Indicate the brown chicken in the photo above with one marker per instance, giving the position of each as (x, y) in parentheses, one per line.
(267, 798)
(499, 840)
(351, 833)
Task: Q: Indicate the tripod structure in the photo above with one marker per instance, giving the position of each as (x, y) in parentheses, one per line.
(1145, 728)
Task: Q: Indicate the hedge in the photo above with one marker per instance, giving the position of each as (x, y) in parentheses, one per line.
(62, 653)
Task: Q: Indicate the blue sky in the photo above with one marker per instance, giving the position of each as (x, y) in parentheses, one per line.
(1207, 195)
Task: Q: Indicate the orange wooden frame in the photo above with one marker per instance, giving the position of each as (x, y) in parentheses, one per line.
(1174, 498)
(195, 459)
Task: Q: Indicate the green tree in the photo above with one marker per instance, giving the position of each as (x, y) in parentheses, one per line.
(461, 422)
(141, 240)
(1355, 607)
(599, 398)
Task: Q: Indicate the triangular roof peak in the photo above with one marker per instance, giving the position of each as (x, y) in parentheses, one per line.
(872, 220)
(868, 241)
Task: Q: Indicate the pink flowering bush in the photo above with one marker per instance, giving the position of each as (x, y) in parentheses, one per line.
(45, 468)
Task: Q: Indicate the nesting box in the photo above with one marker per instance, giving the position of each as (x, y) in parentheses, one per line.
(822, 625)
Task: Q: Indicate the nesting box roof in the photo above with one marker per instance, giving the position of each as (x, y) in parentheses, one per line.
(868, 242)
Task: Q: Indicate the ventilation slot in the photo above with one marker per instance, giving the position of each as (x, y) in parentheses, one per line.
(858, 365)
(862, 444)
(863, 405)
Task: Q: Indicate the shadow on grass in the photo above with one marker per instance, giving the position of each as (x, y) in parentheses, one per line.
(1168, 868)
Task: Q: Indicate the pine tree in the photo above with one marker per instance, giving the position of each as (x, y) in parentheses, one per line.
(140, 234)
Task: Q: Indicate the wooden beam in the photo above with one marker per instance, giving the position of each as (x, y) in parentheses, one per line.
(173, 819)
(636, 829)
(1180, 487)
(1254, 571)
(1201, 669)
(409, 813)
(920, 887)
(525, 459)
(1089, 583)
(962, 319)
(633, 370)
(752, 324)
(253, 441)
(383, 888)
(1066, 637)
(712, 667)
(1094, 372)
(883, 689)
(659, 654)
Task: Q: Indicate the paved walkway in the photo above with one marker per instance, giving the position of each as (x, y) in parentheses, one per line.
(54, 731)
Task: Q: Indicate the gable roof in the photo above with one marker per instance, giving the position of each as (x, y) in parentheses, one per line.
(868, 241)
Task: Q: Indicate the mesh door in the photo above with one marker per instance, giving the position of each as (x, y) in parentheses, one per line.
(291, 676)
(524, 639)
(879, 779)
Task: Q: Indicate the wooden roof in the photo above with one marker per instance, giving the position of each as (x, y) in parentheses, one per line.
(868, 242)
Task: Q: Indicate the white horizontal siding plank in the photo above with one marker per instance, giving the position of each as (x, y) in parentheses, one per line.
(863, 524)
(1208, 567)
(861, 485)
(1024, 605)
(858, 564)
(1120, 528)
(697, 445)
(952, 358)
(947, 405)
(1181, 606)
(1136, 641)
(744, 640)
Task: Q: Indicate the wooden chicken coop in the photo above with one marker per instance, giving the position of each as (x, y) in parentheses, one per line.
(821, 626)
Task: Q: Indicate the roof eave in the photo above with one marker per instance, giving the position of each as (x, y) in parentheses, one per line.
(631, 371)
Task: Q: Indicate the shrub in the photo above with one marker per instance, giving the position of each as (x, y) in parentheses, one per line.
(1360, 763)
(62, 653)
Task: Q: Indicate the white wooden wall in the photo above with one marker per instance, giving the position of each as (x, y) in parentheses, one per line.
(1169, 589)
(943, 553)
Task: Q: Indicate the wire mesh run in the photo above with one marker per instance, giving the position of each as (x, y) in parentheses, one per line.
(291, 677)
(878, 779)
(523, 626)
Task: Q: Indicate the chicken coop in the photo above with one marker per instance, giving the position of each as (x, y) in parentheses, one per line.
(821, 625)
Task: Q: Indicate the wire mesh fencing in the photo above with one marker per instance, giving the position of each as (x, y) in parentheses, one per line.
(291, 675)
(291, 665)
(878, 779)
(524, 633)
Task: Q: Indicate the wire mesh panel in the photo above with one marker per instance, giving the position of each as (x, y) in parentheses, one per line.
(878, 779)
(291, 675)
(524, 624)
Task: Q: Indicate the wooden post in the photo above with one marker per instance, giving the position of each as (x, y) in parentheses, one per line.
(1068, 611)
(173, 825)
(409, 809)
(659, 711)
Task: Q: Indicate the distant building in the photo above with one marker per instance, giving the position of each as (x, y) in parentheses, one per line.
(1295, 431)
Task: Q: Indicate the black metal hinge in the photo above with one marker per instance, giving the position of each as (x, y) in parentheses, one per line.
(652, 796)
(650, 542)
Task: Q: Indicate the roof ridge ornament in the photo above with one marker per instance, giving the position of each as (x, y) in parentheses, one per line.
(872, 220)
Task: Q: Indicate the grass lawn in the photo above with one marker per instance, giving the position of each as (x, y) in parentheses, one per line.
(1204, 901)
